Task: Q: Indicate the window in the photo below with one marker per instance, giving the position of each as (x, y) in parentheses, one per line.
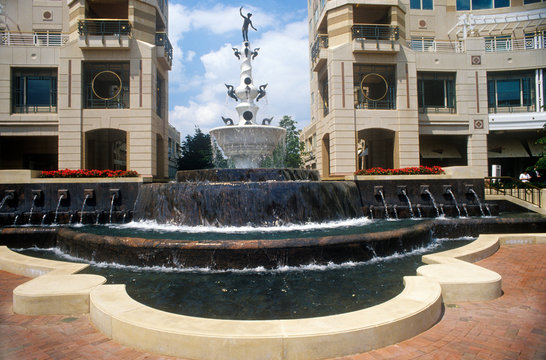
(436, 92)
(421, 4)
(324, 96)
(481, 4)
(106, 85)
(422, 44)
(48, 38)
(511, 92)
(527, 2)
(34, 90)
(159, 95)
(498, 43)
(374, 87)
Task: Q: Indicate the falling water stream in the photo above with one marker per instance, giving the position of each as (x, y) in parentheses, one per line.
(409, 202)
(426, 191)
(57, 208)
(476, 197)
(454, 201)
(83, 207)
(380, 192)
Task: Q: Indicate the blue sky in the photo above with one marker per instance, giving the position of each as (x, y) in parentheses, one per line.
(203, 34)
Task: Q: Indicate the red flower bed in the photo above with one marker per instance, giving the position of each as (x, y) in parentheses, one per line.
(84, 173)
(421, 170)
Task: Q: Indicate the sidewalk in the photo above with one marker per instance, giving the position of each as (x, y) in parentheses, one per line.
(511, 327)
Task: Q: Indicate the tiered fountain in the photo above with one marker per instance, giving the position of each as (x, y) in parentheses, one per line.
(246, 142)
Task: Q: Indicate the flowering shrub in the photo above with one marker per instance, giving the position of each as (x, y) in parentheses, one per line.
(84, 173)
(421, 170)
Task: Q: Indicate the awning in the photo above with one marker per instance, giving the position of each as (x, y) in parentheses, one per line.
(438, 150)
(506, 148)
(536, 149)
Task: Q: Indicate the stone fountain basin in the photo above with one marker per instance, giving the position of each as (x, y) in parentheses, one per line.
(246, 145)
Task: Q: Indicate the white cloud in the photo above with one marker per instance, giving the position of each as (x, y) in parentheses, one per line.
(190, 55)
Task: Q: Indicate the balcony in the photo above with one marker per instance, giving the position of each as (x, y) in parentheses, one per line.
(321, 42)
(104, 33)
(164, 49)
(46, 38)
(375, 38)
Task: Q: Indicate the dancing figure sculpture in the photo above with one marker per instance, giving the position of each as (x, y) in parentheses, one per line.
(247, 22)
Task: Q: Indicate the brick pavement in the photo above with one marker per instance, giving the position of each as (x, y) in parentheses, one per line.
(511, 327)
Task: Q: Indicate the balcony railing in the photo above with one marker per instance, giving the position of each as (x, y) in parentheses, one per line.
(102, 27)
(527, 43)
(512, 109)
(426, 45)
(321, 42)
(161, 39)
(9, 38)
(376, 32)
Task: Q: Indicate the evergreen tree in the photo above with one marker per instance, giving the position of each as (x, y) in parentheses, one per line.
(195, 152)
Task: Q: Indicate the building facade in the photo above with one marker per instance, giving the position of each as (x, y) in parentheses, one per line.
(84, 85)
(420, 82)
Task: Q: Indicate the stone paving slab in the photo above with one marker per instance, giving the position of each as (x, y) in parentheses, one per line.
(510, 327)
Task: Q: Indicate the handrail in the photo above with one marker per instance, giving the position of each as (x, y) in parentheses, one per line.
(37, 38)
(321, 41)
(104, 27)
(509, 186)
(161, 39)
(376, 32)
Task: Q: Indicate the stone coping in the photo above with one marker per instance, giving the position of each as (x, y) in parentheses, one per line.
(414, 310)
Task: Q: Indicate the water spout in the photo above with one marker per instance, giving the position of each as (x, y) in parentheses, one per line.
(34, 198)
(404, 193)
(450, 193)
(419, 211)
(61, 197)
(9, 196)
(426, 191)
(395, 210)
(42, 223)
(112, 206)
(465, 210)
(380, 193)
(471, 191)
(87, 196)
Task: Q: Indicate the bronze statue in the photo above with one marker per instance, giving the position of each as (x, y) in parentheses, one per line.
(246, 23)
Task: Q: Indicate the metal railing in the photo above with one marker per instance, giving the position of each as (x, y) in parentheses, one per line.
(511, 44)
(511, 109)
(505, 185)
(49, 38)
(375, 32)
(426, 45)
(161, 39)
(116, 27)
(321, 42)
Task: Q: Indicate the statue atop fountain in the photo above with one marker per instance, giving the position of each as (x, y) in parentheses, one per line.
(245, 141)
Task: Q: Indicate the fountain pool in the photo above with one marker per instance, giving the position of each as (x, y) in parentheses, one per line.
(257, 293)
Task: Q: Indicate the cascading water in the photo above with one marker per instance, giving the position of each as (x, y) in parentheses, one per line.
(6, 198)
(426, 191)
(61, 197)
(476, 197)
(111, 207)
(83, 207)
(380, 192)
(449, 192)
(465, 210)
(404, 193)
(32, 207)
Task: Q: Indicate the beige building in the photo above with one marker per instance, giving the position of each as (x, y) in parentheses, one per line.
(425, 82)
(84, 84)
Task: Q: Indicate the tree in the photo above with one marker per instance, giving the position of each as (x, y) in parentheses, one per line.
(294, 147)
(287, 153)
(195, 152)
